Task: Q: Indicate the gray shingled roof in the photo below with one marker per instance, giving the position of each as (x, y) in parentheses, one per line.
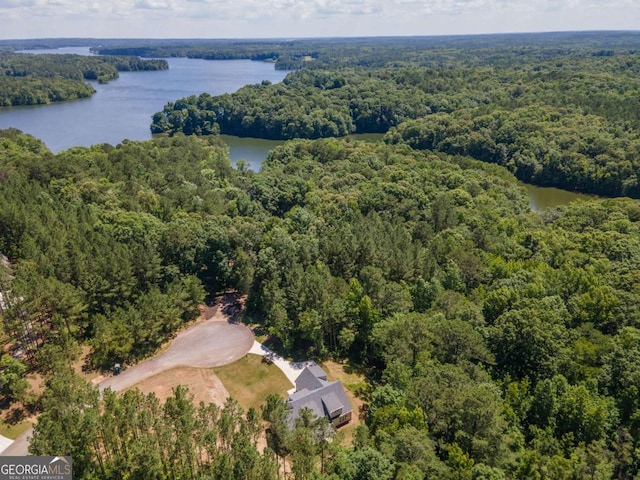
(317, 372)
(317, 394)
(308, 381)
(332, 403)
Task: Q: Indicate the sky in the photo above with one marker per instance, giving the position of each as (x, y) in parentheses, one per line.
(306, 18)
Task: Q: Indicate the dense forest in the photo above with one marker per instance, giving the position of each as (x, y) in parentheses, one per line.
(499, 343)
(437, 51)
(27, 79)
(566, 118)
(496, 342)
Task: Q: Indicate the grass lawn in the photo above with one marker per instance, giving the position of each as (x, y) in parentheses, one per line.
(13, 431)
(251, 379)
(353, 381)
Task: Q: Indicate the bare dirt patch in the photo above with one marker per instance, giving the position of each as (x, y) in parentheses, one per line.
(225, 308)
(202, 382)
(15, 416)
(36, 383)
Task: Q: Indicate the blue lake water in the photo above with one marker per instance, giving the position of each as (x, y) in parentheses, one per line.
(122, 109)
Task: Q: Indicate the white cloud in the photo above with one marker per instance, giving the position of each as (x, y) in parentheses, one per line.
(153, 5)
(283, 18)
(16, 3)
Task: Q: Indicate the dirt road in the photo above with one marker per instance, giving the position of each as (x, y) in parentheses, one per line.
(210, 343)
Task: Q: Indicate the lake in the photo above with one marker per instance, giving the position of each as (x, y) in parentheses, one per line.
(254, 151)
(122, 108)
(542, 198)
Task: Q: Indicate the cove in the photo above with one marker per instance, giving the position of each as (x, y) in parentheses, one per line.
(122, 108)
(254, 151)
(543, 198)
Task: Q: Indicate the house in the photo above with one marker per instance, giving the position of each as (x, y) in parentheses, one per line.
(324, 398)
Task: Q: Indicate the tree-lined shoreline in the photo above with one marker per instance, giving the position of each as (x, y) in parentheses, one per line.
(27, 79)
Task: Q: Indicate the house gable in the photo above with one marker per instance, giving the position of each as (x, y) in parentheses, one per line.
(308, 381)
(332, 405)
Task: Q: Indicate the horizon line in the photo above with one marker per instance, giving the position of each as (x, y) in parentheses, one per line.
(331, 37)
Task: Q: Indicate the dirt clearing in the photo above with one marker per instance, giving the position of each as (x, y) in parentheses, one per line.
(203, 384)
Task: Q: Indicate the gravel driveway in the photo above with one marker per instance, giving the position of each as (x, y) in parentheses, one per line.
(210, 343)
